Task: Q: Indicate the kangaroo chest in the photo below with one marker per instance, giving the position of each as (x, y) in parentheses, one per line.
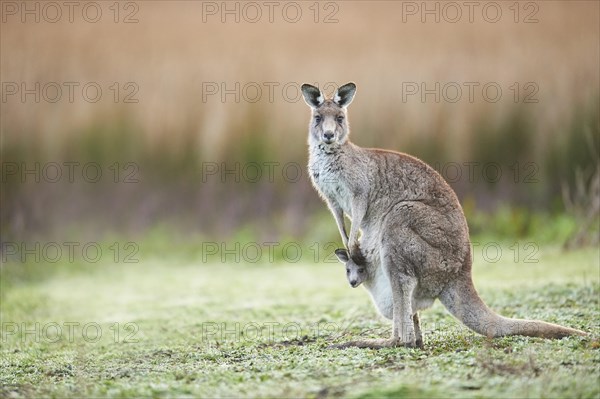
(327, 177)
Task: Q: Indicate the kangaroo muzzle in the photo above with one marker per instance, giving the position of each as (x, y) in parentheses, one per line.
(328, 130)
(328, 137)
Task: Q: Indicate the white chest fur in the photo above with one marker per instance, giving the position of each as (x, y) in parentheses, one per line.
(329, 181)
(381, 293)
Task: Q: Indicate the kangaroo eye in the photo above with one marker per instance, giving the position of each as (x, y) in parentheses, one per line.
(347, 271)
(340, 119)
(318, 119)
(361, 270)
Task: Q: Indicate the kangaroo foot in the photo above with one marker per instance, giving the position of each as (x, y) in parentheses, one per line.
(419, 343)
(374, 344)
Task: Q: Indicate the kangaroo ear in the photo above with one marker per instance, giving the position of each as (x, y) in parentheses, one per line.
(312, 95)
(345, 94)
(342, 255)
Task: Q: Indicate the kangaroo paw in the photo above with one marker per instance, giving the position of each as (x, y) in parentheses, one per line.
(356, 255)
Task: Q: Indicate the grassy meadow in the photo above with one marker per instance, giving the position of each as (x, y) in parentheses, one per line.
(174, 327)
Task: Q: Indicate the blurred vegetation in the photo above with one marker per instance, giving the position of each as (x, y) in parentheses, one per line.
(166, 183)
(546, 151)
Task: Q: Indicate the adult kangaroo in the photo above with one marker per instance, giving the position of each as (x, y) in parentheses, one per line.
(415, 239)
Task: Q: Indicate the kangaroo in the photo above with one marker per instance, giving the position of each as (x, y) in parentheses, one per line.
(412, 229)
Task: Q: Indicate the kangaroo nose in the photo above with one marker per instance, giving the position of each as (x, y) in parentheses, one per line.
(328, 135)
(353, 283)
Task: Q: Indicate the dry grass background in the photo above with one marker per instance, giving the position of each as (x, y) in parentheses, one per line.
(171, 52)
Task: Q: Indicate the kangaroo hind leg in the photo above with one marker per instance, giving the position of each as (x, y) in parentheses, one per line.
(403, 330)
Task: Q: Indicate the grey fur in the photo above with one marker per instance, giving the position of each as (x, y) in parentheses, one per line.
(415, 239)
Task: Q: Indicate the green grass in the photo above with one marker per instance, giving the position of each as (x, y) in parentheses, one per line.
(176, 344)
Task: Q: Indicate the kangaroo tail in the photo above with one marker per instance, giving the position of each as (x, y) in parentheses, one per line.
(461, 299)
